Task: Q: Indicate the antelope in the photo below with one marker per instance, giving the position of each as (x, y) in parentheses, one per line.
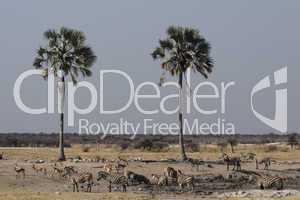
(39, 169)
(195, 163)
(20, 171)
(265, 161)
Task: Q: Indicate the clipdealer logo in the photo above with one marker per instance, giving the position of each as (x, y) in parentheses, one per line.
(279, 122)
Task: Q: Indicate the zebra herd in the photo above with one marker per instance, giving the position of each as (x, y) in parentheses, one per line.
(117, 174)
(236, 161)
(264, 181)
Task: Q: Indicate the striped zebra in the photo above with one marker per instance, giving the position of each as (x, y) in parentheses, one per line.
(68, 171)
(265, 161)
(185, 180)
(265, 181)
(20, 171)
(170, 172)
(160, 180)
(112, 179)
(79, 178)
(235, 161)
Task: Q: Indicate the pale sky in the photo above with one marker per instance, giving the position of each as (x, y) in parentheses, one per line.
(249, 39)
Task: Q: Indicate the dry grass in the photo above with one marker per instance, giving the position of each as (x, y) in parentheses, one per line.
(281, 152)
(28, 195)
(10, 191)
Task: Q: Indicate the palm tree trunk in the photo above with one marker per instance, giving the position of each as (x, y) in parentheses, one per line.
(181, 142)
(61, 93)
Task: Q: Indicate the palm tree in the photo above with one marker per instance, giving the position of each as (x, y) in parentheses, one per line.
(65, 53)
(183, 48)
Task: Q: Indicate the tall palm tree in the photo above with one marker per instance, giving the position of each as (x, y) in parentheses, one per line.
(65, 53)
(183, 48)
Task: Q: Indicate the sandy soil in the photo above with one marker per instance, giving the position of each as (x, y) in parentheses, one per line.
(212, 182)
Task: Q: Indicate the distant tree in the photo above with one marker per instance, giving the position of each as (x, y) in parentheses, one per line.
(232, 142)
(183, 49)
(265, 141)
(65, 53)
(292, 140)
(144, 144)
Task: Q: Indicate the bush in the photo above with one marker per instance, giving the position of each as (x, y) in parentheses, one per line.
(160, 146)
(292, 140)
(124, 145)
(145, 144)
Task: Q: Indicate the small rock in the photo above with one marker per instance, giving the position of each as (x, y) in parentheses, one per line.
(58, 193)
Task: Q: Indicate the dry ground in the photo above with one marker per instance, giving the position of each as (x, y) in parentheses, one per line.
(42, 187)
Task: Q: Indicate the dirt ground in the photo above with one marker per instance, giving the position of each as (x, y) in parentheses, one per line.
(212, 180)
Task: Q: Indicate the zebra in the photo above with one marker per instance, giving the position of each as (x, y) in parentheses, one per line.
(265, 181)
(84, 177)
(265, 161)
(115, 179)
(68, 171)
(235, 161)
(170, 172)
(195, 163)
(183, 180)
(20, 171)
(160, 180)
(134, 177)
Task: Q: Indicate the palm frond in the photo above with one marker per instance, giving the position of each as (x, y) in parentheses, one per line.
(182, 49)
(66, 50)
(158, 53)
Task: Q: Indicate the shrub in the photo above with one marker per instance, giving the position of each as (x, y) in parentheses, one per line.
(145, 144)
(160, 146)
(292, 141)
(124, 145)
